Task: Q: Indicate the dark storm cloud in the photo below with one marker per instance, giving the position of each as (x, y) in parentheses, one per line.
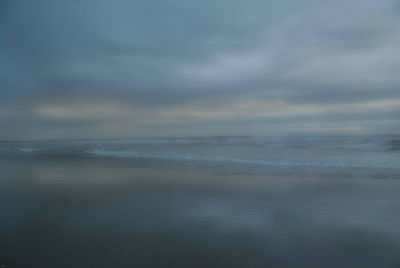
(126, 68)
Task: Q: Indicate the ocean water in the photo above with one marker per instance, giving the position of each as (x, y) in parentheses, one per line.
(374, 156)
(374, 152)
(299, 201)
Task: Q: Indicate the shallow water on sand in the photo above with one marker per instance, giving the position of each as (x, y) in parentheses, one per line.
(114, 213)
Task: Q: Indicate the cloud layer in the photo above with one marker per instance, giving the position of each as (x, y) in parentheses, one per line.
(101, 68)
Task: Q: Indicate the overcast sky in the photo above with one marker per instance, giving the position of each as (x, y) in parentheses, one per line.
(139, 68)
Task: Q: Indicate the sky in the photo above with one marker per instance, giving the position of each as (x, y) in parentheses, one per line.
(151, 68)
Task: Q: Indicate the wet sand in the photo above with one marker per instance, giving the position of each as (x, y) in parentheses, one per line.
(100, 213)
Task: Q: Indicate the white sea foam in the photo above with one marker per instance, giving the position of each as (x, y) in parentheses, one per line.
(360, 143)
(27, 150)
(216, 159)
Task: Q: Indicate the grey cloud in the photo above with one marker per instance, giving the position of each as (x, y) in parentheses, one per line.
(154, 57)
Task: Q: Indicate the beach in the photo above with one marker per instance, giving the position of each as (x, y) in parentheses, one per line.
(107, 212)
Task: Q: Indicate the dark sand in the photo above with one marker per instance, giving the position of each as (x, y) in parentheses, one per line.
(106, 213)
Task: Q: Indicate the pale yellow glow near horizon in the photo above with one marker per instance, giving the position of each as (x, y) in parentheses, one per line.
(202, 111)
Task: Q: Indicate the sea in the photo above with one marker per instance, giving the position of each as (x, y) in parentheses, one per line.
(345, 156)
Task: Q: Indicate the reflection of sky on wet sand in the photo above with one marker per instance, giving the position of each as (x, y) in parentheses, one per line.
(161, 218)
